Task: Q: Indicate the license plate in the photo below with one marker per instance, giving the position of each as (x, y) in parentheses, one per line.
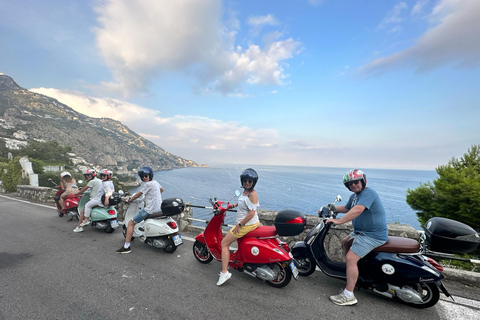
(177, 240)
(114, 224)
(294, 269)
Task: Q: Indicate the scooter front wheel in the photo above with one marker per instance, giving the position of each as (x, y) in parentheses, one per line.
(200, 251)
(284, 275)
(305, 266)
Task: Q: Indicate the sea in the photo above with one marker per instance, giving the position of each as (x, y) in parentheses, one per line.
(305, 189)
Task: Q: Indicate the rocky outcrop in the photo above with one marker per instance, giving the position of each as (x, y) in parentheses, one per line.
(100, 141)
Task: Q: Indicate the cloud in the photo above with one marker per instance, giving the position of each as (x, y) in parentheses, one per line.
(452, 40)
(143, 40)
(188, 136)
(394, 16)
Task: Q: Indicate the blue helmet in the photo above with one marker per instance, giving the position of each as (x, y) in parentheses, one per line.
(146, 171)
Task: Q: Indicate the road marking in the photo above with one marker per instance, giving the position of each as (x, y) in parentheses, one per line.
(25, 201)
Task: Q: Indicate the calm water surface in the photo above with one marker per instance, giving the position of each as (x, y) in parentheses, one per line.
(300, 188)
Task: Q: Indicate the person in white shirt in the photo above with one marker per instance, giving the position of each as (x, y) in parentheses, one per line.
(246, 221)
(106, 188)
(153, 202)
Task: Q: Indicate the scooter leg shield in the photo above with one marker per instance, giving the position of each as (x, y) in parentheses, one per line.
(300, 250)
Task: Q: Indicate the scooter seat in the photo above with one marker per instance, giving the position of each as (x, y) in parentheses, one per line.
(395, 244)
(155, 215)
(262, 232)
(399, 244)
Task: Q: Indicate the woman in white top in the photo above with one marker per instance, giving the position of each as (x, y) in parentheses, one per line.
(247, 219)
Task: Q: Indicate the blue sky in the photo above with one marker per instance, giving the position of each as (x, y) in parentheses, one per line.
(368, 84)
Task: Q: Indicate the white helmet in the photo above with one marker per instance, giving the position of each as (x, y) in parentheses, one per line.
(65, 173)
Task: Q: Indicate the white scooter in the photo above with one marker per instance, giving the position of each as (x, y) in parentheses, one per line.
(159, 229)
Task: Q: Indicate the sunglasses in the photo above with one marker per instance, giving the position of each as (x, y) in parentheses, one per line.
(247, 181)
(143, 176)
(349, 184)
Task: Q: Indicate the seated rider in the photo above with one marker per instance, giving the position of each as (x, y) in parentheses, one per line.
(69, 185)
(106, 188)
(93, 184)
(153, 202)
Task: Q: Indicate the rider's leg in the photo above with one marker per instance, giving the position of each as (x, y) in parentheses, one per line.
(226, 242)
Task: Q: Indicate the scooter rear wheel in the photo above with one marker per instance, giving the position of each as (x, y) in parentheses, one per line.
(171, 247)
(201, 253)
(429, 292)
(284, 276)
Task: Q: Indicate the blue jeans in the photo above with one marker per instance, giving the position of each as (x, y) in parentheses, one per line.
(140, 216)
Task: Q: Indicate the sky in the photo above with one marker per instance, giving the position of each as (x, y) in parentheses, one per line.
(327, 83)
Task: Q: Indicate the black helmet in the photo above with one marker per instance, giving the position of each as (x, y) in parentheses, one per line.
(249, 174)
(146, 171)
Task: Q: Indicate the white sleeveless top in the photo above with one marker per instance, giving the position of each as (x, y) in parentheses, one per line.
(244, 206)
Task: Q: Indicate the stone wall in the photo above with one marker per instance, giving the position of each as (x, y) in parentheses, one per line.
(41, 194)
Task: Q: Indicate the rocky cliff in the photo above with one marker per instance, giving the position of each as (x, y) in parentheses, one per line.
(26, 115)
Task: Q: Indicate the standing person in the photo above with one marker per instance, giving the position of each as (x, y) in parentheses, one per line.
(365, 209)
(93, 184)
(69, 185)
(153, 203)
(106, 188)
(246, 221)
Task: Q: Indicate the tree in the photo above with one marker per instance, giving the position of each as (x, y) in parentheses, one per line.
(50, 152)
(11, 175)
(455, 194)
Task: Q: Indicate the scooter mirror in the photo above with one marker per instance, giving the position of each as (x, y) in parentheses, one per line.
(237, 193)
(120, 192)
(338, 198)
(80, 181)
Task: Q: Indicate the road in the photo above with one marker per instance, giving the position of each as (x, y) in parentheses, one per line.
(49, 272)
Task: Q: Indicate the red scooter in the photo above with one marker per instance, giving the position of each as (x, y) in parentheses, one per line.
(260, 252)
(70, 203)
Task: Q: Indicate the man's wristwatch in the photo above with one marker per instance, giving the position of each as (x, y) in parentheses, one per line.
(240, 224)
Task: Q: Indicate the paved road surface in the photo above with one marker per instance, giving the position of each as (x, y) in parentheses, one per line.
(49, 272)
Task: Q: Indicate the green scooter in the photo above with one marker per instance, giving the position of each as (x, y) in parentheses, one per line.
(104, 218)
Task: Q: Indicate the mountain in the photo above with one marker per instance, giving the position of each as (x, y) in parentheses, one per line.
(26, 115)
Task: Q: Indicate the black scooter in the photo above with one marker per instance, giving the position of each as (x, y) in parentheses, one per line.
(396, 269)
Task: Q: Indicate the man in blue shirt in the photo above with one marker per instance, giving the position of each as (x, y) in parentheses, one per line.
(366, 211)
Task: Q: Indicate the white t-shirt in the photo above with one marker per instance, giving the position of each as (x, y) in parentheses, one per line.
(244, 206)
(106, 188)
(94, 184)
(153, 196)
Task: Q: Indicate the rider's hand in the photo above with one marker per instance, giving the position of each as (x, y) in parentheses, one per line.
(332, 221)
(331, 207)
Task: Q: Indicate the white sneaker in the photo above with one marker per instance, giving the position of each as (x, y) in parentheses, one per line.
(85, 223)
(223, 278)
(78, 229)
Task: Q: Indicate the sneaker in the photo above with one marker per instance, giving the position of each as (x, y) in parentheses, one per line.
(223, 278)
(85, 223)
(124, 250)
(78, 229)
(342, 300)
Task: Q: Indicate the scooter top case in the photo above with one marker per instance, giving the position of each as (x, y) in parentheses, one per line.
(450, 236)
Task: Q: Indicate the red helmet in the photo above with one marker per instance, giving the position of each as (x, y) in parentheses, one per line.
(354, 175)
(89, 171)
(106, 172)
